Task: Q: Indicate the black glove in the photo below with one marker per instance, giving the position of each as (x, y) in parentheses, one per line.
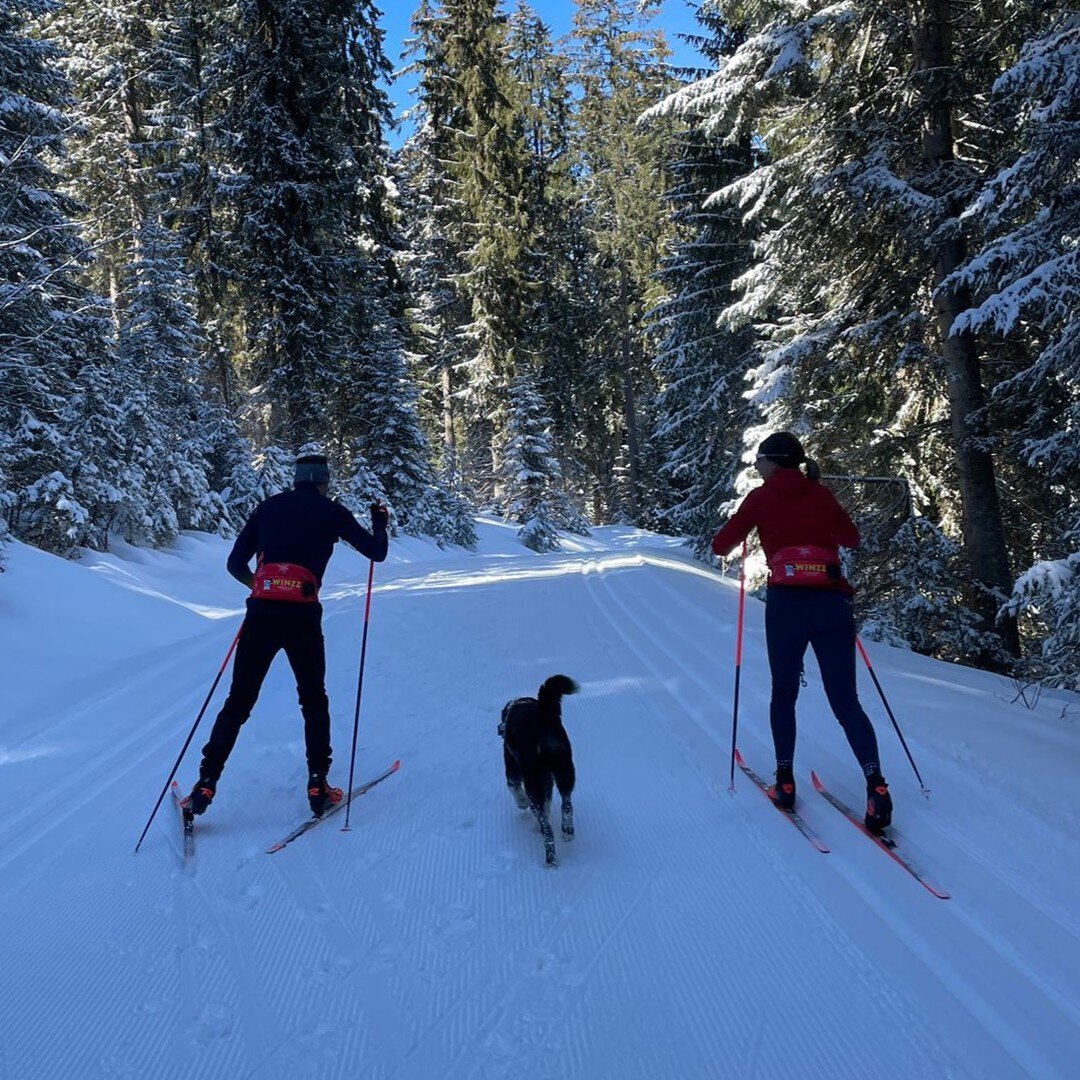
(380, 517)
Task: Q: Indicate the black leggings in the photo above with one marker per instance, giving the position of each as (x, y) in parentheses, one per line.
(824, 619)
(296, 628)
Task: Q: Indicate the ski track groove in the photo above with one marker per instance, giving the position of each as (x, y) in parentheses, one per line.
(968, 993)
(407, 900)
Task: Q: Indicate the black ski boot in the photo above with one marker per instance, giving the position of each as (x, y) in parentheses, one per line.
(321, 796)
(202, 795)
(878, 804)
(783, 791)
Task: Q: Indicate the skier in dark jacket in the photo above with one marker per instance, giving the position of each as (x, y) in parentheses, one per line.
(292, 534)
(802, 527)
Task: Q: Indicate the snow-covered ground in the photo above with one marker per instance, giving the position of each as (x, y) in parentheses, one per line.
(688, 933)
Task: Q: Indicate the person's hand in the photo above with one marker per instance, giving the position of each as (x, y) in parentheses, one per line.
(380, 517)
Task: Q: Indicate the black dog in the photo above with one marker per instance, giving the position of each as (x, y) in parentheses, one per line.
(536, 750)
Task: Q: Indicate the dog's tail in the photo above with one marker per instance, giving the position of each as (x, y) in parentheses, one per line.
(553, 689)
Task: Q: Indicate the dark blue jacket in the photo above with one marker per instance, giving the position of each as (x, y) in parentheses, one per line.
(301, 526)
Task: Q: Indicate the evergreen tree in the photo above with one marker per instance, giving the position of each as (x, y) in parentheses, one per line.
(853, 295)
(530, 469)
(701, 364)
(1024, 280)
(619, 71)
(50, 324)
(556, 259)
(304, 123)
(161, 345)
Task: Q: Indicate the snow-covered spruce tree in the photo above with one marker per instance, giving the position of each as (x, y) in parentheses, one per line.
(869, 118)
(274, 469)
(919, 606)
(108, 53)
(50, 324)
(1024, 281)
(298, 148)
(560, 306)
(431, 261)
(531, 479)
(493, 235)
(618, 71)
(390, 455)
(701, 364)
(162, 346)
(192, 170)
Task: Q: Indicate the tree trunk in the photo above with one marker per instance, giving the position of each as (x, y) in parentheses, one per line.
(982, 526)
(450, 462)
(629, 402)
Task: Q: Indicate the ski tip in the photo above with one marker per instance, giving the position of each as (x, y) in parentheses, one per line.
(818, 785)
(739, 760)
(396, 765)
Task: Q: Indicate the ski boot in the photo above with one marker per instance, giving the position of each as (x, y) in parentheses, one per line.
(321, 796)
(202, 795)
(878, 804)
(783, 791)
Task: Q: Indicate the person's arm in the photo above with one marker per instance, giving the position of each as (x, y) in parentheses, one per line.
(372, 545)
(245, 547)
(737, 528)
(844, 529)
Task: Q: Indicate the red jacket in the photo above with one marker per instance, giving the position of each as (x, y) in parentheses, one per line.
(788, 510)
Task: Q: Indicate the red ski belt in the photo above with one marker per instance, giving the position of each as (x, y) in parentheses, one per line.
(285, 581)
(805, 565)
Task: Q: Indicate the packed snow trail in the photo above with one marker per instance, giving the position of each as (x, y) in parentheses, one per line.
(688, 933)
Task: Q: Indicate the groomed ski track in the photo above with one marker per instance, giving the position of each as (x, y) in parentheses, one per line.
(687, 933)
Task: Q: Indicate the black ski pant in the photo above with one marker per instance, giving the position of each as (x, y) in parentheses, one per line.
(825, 620)
(269, 627)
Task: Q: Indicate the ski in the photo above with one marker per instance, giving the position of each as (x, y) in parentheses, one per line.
(313, 821)
(187, 820)
(791, 815)
(886, 843)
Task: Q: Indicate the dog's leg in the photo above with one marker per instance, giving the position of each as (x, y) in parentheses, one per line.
(567, 818)
(565, 779)
(514, 780)
(548, 834)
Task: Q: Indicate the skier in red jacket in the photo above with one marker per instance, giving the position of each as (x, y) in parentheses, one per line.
(802, 527)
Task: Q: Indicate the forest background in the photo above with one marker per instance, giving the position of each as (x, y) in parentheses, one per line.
(577, 286)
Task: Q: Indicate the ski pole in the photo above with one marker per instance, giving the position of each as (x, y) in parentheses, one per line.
(191, 735)
(738, 664)
(888, 709)
(359, 691)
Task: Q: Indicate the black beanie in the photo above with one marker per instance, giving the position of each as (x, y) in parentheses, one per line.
(312, 469)
(784, 449)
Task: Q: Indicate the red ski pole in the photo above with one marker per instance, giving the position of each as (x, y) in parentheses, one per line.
(359, 691)
(885, 702)
(191, 735)
(738, 664)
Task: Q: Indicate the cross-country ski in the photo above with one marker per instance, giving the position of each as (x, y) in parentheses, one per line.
(793, 816)
(313, 821)
(187, 825)
(887, 843)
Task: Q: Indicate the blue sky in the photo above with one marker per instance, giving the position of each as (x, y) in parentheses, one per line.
(677, 16)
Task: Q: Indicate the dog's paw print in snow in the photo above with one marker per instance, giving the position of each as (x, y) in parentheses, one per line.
(215, 1021)
(498, 865)
(334, 969)
(455, 923)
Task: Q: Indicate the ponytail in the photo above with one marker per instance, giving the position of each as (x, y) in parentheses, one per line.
(813, 469)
